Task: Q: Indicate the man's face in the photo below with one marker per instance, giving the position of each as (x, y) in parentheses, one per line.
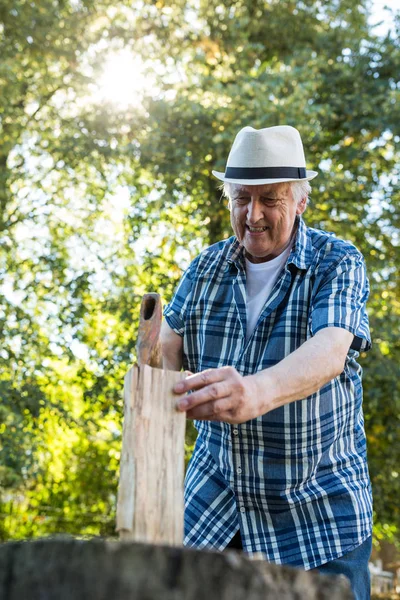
(262, 218)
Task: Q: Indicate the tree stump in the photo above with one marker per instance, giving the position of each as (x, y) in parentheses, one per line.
(68, 569)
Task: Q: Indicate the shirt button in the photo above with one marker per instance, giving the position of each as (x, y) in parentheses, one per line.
(235, 432)
(239, 470)
(242, 509)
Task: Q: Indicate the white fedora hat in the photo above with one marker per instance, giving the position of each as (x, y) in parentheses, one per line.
(270, 155)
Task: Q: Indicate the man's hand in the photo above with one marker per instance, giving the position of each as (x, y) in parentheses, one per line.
(225, 395)
(220, 395)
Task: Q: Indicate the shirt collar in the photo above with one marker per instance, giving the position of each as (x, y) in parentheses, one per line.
(235, 255)
(302, 253)
(300, 256)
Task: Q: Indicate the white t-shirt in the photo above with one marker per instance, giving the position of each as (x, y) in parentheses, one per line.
(260, 279)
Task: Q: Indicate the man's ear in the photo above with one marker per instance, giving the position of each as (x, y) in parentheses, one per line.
(301, 206)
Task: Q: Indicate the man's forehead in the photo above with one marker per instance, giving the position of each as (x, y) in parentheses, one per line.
(270, 188)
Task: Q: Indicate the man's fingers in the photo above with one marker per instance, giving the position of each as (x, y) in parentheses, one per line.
(217, 410)
(210, 393)
(198, 381)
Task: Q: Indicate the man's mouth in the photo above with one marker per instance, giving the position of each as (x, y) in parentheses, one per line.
(256, 229)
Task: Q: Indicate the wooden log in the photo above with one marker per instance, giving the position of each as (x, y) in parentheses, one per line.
(148, 348)
(150, 495)
(101, 570)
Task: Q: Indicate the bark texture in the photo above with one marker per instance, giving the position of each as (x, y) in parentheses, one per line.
(69, 569)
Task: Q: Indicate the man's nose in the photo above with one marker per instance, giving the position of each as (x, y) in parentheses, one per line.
(254, 211)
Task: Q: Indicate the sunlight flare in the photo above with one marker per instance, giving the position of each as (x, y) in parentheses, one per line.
(123, 80)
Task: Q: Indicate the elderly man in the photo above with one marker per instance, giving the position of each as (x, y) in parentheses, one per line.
(270, 323)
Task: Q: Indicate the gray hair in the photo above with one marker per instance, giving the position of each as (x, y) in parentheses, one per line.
(300, 190)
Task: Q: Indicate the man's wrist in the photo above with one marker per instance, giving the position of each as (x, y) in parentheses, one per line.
(268, 391)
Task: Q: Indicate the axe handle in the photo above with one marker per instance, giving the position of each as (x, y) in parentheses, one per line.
(148, 344)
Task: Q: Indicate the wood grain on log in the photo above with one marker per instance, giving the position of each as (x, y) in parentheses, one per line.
(148, 348)
(150, 495)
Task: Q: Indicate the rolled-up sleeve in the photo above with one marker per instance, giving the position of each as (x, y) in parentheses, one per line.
(340, 300)
(174, 312)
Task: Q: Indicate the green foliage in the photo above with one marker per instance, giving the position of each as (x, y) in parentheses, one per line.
(100, 204)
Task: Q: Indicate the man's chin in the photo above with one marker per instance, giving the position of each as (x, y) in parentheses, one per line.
(258, 248)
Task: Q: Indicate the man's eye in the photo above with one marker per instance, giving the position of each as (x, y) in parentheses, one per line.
(242, 200)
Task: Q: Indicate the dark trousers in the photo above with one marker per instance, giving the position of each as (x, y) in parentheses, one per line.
(236, 542)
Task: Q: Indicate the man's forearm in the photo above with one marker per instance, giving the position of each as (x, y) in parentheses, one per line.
(172, 362)
(172, 348)
(306, 370)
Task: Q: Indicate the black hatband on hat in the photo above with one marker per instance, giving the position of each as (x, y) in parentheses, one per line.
(265, 172)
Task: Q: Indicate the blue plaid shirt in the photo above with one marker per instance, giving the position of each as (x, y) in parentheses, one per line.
(295, 480)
